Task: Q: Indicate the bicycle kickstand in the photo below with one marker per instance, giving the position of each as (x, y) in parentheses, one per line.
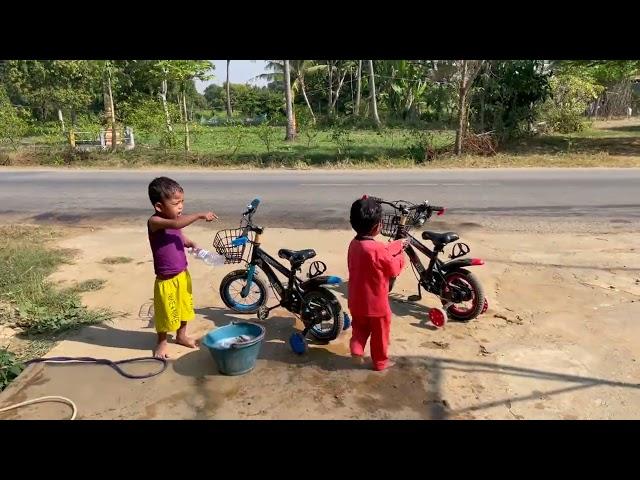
(415, 298)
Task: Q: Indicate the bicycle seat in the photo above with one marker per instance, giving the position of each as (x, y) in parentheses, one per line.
(440, 238)
(296, 256)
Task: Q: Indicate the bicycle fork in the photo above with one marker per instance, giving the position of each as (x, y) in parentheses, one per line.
(247, 288)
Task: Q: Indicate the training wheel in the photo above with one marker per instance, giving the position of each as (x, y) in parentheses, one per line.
(347, 322)
(438, 317)
(298, 343)
(485, 307)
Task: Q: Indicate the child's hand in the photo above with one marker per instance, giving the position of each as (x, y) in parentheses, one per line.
(209, 216)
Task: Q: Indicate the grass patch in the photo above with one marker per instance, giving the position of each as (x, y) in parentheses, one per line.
(90, 285)
(116, 260)
(36, 306)
(10, 367)
(614, 143)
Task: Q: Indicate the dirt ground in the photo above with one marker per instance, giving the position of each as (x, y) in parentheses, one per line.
(561, 339)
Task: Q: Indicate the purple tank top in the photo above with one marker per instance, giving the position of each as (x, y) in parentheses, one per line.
(167, 247)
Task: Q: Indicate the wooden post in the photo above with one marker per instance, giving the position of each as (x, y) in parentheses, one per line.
(72, 139)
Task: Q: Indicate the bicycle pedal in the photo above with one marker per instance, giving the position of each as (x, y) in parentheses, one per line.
(414, 298)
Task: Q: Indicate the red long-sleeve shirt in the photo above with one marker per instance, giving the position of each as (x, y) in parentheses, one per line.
(371, 265)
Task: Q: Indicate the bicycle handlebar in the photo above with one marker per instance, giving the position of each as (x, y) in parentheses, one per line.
(403, 205)
(248, 216)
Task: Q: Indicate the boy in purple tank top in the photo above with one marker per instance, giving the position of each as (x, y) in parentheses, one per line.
(172, 294)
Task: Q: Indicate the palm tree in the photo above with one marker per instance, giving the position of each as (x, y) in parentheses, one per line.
(291, 125)
(228, 91)
(298, 70)
(356, 109)
(374, 104)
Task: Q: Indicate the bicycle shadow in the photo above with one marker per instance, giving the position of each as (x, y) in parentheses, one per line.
(403, 308)
(400, 306)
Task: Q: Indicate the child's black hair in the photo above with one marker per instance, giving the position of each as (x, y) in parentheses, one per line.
(366, 213)
(162, 188)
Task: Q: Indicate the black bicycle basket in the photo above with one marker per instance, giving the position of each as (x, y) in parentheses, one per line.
(222, 244)
(391, 222)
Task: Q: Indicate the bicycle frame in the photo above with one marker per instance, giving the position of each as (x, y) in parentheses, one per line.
(434, 262)
(264, 261)
(435, 265)
(291, 296)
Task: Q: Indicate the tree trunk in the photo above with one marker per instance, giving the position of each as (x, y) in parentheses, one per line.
(291, 126)
(358, 92)
(304, 94)
(330, 98)
(462, 108)
(374, 104)
(163, 97)
(482, 109)
(114, 138)
(228, 91)
(335, 97)
(187, 147)
(351, 86)
(60, 117)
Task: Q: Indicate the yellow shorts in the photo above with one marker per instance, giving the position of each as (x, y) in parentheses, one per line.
(173, 302)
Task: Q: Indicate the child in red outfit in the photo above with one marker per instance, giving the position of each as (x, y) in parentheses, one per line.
(371, 265)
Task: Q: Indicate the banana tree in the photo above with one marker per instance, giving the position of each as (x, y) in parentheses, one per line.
(402, 85)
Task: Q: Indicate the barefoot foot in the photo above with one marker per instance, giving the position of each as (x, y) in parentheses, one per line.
(357, 359)
(388, 365)
(186, 341)
(161, 350)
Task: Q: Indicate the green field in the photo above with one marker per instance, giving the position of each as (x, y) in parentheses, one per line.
(612, 143)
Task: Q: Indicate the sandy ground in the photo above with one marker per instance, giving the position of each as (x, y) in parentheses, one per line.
(561, 340)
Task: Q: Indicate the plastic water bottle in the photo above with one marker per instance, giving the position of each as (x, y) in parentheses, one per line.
(210, 258)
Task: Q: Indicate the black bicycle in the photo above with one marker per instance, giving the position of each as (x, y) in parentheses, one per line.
(245, 292)
(460, 292)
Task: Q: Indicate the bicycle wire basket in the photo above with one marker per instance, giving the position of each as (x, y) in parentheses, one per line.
(391, 222)
(231, 253)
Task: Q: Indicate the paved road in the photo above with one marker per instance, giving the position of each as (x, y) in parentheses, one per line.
(321, 199)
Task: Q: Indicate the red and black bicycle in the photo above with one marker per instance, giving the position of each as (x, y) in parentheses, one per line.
(459, 290)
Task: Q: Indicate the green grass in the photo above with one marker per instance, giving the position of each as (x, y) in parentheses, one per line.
(10, 367)
(614, 138)
(35, 305)
(32, 304)
(90, 285)
(318, 148)
(116, 260)
(615, 143)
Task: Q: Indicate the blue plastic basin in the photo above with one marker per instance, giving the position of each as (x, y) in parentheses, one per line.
(239, 358)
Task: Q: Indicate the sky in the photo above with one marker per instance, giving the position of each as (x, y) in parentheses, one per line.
(240, 71)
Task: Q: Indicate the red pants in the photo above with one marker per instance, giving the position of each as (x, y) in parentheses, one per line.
(376, 327)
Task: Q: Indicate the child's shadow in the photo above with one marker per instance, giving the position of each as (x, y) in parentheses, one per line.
(402, 307)
(275, 346)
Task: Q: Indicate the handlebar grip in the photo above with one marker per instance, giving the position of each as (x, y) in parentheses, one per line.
(440, 210)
